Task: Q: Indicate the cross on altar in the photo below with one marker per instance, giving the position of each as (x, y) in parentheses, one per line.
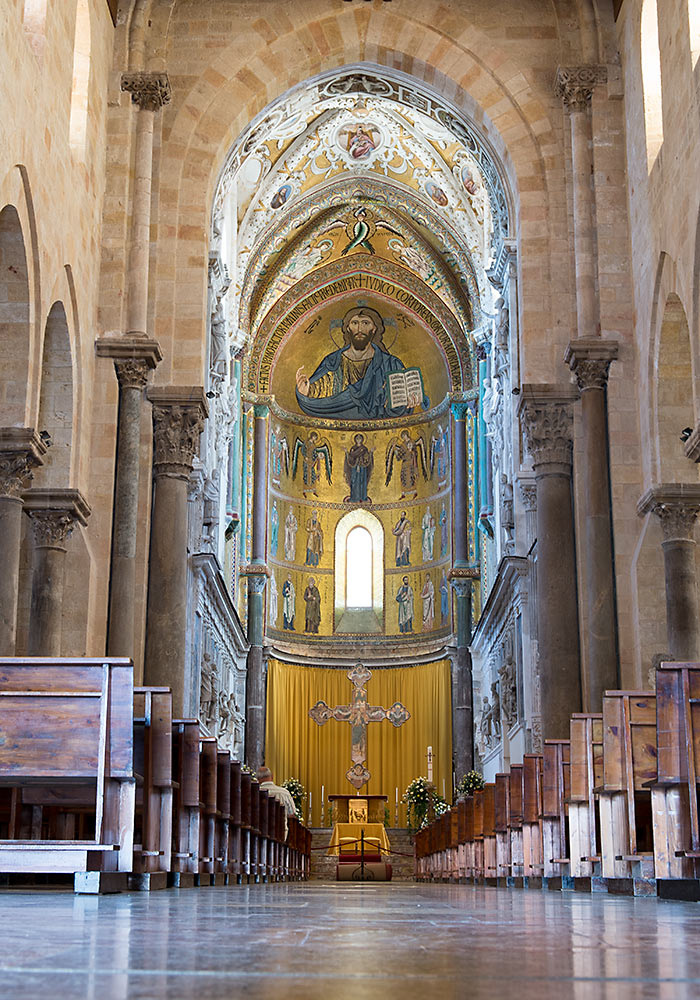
(359, 714)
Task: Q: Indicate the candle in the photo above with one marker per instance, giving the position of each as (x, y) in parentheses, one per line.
(311, 812)
(430, 765)
(396, 811)
(323, 796)
(443, 788)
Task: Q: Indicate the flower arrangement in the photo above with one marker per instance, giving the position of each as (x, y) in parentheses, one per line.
(249, 770)
(298, 793)
(471, 782)
(417, 798)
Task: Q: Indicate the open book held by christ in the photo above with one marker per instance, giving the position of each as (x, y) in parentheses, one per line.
(405, 388)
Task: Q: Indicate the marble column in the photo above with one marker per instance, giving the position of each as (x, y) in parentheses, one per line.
(53, 515)
(546, 415)
(677, 506)
(149, 92)
(134, 358)
(257, 578)
(590, 361)
(178, 420)
(21, 451)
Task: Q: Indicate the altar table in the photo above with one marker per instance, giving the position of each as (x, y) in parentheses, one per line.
(353, 830)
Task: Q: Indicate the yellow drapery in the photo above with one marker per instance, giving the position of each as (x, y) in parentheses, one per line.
(319, 756)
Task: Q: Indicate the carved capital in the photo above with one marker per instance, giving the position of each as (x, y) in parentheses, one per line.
(575, 85)
(132, 374)
(528, 494)
(54, 514)
(677, 506)
(590, 361)
(150, 91)
(179, 413)
(21, 451)
(547, 419)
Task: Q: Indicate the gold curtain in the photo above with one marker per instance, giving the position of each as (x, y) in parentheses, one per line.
(319, 756)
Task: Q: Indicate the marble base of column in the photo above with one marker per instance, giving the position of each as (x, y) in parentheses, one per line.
(21, 450)
(53, 515)
(178, 420)
(677, 506)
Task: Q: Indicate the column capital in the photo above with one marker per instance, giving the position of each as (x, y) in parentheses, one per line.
(150, 91)
(547, 419)
(590, 359)
(179, 412)
(461, 404)
(575, 85)
(528, 491)
(54, 514)
(21, 451)
(677, 506)
(256, 574)
(134, 358)
(461, 578)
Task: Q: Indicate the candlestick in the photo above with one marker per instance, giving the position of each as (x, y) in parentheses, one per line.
(430, 765)
(311, 812)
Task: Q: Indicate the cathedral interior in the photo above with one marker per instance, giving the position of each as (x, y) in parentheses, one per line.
(350, 356)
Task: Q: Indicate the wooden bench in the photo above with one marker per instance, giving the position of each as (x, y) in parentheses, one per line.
(478, 837)
(515, 797)
(586, 774)
(555, 793)
(674, 793)
(207, 811)
(467, 837)
(533, 864)
(489, 832)
(235, 833)
(629, 764)
(185, 844)
(223, 813)
(67, 724)
(153, 769)
(501, 826)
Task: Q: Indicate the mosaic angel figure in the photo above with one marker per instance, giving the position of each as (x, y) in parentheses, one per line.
(412, 454)
(314, 451)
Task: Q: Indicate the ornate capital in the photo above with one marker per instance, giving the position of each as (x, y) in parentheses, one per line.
(179, 413)
(677, 506)
(54, 514)
(590, 361)
(132, 374)
(149, 90)
(257, 574)
(528, 494)
(21, 451)
(575, 85)
(547, 419)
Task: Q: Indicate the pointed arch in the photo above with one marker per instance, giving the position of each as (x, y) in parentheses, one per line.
(651, 80)
(14, 319)
(56, 400)
(82, 46)
(364, 558)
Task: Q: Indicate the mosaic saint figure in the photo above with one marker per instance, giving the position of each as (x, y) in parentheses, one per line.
(411, 454)
(428, 596)
(444, 598)
(439, 453)
(402, 531)
(359, 463)
(350, 382)
(444, 534)
(312, 599)
(289, 596)
(313, 451)
(428, 529)
(314, 540)
(274, 528)
(404, 597)
(279, 454)
(273, 601)
(290, 536)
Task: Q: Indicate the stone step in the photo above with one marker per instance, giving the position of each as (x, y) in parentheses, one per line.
(323, 867)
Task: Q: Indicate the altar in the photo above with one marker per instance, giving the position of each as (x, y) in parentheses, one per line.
(359, 817)
(358, 808)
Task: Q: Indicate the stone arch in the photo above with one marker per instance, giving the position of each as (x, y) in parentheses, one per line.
(354, 519)
(56, 400)
(651, 80)
(15, 329)
(489, 86)
(82, 46)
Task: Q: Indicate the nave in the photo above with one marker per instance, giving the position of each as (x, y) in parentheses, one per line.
(318, 940)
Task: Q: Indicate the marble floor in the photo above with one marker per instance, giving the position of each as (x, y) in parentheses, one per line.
(347, 942)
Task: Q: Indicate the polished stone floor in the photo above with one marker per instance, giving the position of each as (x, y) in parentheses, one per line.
(347, 942)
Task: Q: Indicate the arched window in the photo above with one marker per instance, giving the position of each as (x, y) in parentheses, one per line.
(81, 79)
(651, 81)
(694, 28)
(359, 573)
(34, 23)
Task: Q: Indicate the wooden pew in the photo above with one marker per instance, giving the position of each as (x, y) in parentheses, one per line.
(235, 832)
(223, 813)
(264, 837)
(468, 839)
(478, 869)
(586, 774)
(502, 827)
(629, 764)
(555, 793)
(185, 849)
(246, 785)
(515, 796)
(153, 763)
(254, 831)
(533, 865)
(207, 811)
(68, 723)
(489, 831)
(674, 793)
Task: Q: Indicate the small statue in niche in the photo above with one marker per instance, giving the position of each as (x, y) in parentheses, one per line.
(486, 724)
(496, 710)
(509, 689)
(507, 516)
(207, 694)
(500, 328)
(218, 356)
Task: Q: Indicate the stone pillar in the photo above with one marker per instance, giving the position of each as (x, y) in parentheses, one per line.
(257, 578)
(134, 358)
(149, 91)
(460, 553)
(546, 414)
(21, 450)
(590, 361)
(53, 514)
(677, 506)
(178, 420)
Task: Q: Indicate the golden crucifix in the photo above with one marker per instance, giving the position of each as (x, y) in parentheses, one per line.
(359, 714)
